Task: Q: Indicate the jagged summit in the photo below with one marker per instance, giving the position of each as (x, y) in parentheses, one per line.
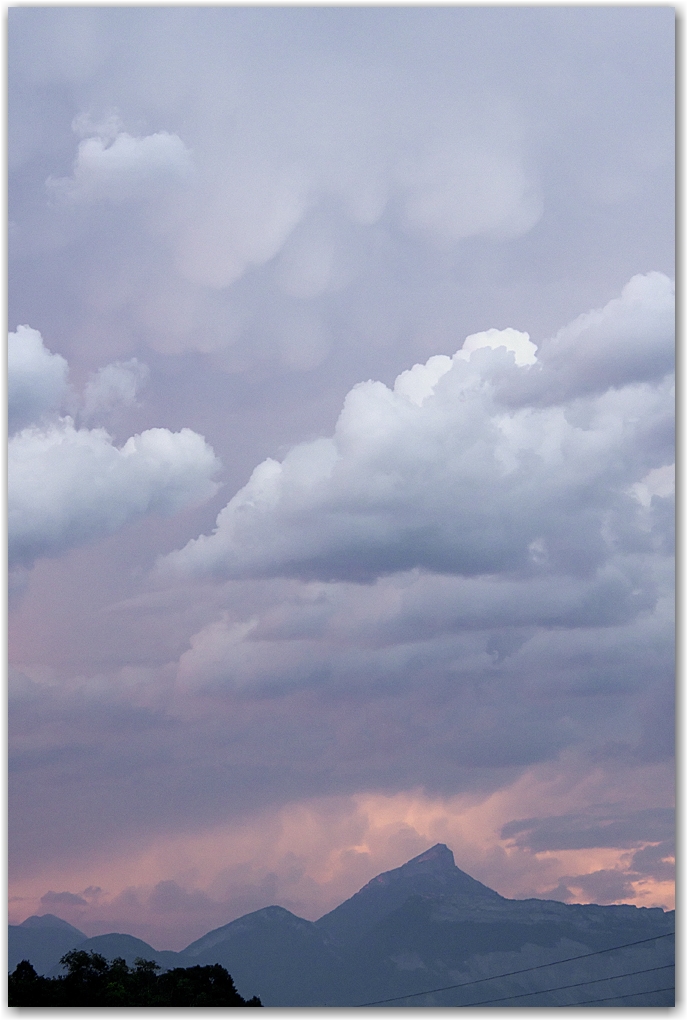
(428, 872)
(438, 858)
(432, 873)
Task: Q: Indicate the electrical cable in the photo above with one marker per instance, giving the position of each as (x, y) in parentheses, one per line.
(561, 988)
(512, 973)
(613, 998)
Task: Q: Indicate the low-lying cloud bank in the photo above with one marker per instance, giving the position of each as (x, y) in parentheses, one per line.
(492, 462)
(70, 484)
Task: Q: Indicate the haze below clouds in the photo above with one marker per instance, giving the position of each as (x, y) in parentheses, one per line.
(341, 456)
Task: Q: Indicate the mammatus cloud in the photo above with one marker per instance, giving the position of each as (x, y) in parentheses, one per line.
(466, 188)
(282, 185)
(486, 464)
(67, 485)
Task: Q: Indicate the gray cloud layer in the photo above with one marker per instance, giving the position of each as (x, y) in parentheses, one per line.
(317, 197)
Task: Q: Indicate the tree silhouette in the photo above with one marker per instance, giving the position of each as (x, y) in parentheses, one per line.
(92, 981)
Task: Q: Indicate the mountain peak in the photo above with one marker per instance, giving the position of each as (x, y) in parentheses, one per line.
(439, 857)
(48, 921)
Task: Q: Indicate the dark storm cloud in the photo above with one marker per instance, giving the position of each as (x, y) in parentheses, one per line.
(605, 886)
(63, 899)
(249, 727)
(607, 828)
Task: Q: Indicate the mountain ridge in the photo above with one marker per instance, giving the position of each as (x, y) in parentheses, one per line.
(423, 925)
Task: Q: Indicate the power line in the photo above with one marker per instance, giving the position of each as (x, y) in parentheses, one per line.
(512, 973)
(579, 984)
(629, 995)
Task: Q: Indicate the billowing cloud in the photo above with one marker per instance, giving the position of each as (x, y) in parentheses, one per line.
(68, 485)
(123, 168)
(630, 340)
(443, 474)
(36, 378)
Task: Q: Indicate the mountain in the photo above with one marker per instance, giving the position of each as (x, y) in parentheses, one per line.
(428, 925)
(43, 940)
(126, 946)
(433, 874)
(285, 954)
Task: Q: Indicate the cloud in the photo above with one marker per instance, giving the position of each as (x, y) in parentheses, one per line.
(232, 229)
(629, 340)
(458, 189)
(402, 628)
(608, 885)
(36, 378)
(113, 385)
(169, 897)
(656, 860)
(418, 170)
(63, 899)
(124, 168)
(512, 339)
(442, 473)
(68, 485)
(598, 828)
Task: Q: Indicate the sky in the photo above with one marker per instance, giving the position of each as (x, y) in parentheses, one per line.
(341, 456)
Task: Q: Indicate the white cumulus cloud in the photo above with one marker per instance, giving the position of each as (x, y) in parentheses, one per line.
(632, 338)
(36, 378)
(69, 485)
(512, 339)
(440, 473)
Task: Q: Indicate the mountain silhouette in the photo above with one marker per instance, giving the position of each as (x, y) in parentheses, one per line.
(42, 940)
(127, 947)
(426, 926)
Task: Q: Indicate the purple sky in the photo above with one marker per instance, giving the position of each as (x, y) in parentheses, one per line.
(341, 455)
